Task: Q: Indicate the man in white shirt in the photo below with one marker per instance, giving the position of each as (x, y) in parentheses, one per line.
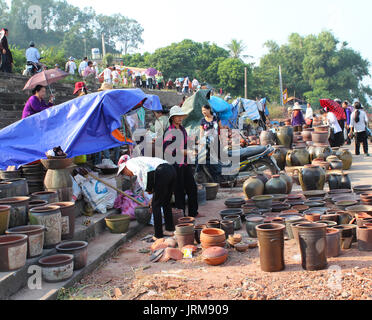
(83, 65)
(32, 54)
(115, 77)
(195, 84)
(70, 66)
(309, 116)
(107, 75)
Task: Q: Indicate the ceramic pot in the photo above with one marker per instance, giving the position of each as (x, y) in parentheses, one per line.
(198, 229)
(13, 252)
(212, 236)
(313, 246)
(321, 128)
(215, 256)
(307, 134)
(262, 176)
(7, 190)
(142, 214)
(20, 187)
(177, 213)
(312, 178)
(345, 182)
(288, 180)
(251, 224)
(35, 238)
(37, 203)
(253, 187)
(186, 220)
(276, 185)
(320, 137)
(4, 218)
(289, 221)
(330, 217)
(323, 164)
(334, 181)
(49, 196)
(267, 138)
(362, 189)
(271, 244)
(67, 219)
(364, 235)
(18, 212)
(346, 234)
(312, 217)
(211, 190)
(79, 249)
(214, 224)
(231, 212)
(185, 239)
(322, 151)
(202, 195)
(280, 153)
(336, 165)
(346, 157)
(297, 157)
(57, 268)
(186, 228)
(237, 222)
(118, 223)
(285, 136)
(333, 243)
(234, 203)
(228, 226)
(264, 202)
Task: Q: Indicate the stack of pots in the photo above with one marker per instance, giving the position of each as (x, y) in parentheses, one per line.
(271, 243)
(6, 175)
(185, 234)
(34, 174)
(210, 237)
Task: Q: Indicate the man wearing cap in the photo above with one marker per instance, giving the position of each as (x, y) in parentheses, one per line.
(175, 152)
(155, 176)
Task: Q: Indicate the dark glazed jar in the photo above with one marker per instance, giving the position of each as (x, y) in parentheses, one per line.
(312, 178)
(276, 185)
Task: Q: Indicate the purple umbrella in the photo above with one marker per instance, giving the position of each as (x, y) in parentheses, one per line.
(45, 78)
(151, 72)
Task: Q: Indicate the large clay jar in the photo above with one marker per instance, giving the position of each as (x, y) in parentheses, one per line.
(253, 187)
(263, 177)
(279, 155)
(267, 137)
(322, 152)
(336, 165)
(346, 157)
(285, 136)
(320, 137)
(364, 235)
(334, 181)
(321, 163)
(297, 157)
(288, 180)
(313, 245)
(276, 185)
(345, 182)
(306, 134)
(312, 178)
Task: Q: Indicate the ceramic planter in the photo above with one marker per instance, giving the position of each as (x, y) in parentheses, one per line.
(253, 187)
(35, 238)
(67, 219)
(118, 223)
(333, 243)
(364, 235)
(20, 187)
(264, 202)
(312, 217)
(79, 249)
(276, 185)
(234, 203)
(143, 215)
(18, 212)
(313, 246)
(49, 196)
(251, 224)
(312, 178)
(185, 228)
(215, 256)
(57, 268)
(13, 252)
(211, 190)
(4, 218)
(271, 243)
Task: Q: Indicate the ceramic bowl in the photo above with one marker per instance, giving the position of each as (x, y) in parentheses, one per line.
(215, 256)
(263, 202)
(342, 205)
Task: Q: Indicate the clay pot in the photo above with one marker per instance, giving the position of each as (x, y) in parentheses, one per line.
(345, 182)
(276, 185)
(214, 224)
(346, 157)
(6, 175)
(212, 237)
(323, 164)
(285, 136)
(49, 196)
(342, 205)
(18, 212)
(301, 209)
(57, 268)
(313, 246)
(251, 224)
(289, 221)
(330, 217)
(142, 214)
(312, 217)
(297, 157)
(185, 228)
(197, 231)
(35, 238)
(234, 203)
(307, 134)
(4, 218)
(228, 226)
(237, 222)
(37, 203)
(186, 220)
(68, 218)
(202, 195)
(364, 222)
(267, 138)
(364, 235)
(280, 207)
(346, 233)
(185, 239)
(266, 201)
(312, 178)
(79, 249)
(215, 256)
(320, 137)
(177, 213)
(322, 151)
(359, 209)
(333, 243)
(336, 165)
(271, 244)
(263, 177)
(211, 190)
(362, 189)
(231, 212)
(253, 187)
(288, 180)
(7, 190)
(280, 153)
(118, 223)
(13, 252)
(20, 187)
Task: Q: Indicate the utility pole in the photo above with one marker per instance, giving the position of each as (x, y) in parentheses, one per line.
(281, 86)
(103, 45)
(85, 47)
(245, 83)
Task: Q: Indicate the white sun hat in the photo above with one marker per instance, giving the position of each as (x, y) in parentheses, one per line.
(177, 111)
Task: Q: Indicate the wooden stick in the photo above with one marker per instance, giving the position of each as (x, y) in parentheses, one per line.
(116, 189)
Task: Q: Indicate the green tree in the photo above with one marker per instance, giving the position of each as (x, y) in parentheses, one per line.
(108, 59)
(236, 48)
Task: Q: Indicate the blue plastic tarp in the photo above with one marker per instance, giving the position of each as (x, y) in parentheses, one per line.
(250, 108)
(221, 108)
(80, 126)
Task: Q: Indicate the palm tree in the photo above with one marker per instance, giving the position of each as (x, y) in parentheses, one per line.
(236, 48)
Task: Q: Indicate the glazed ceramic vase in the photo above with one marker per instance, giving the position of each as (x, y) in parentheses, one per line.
(298, 157)
(312, 178)
(285, 136)
(276, 185)
(280, 154)
(253, 187)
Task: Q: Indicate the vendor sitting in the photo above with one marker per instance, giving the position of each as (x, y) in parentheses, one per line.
(156, 177)
(297, 119)
(35, 103)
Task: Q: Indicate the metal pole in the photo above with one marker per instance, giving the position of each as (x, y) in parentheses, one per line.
(281, 86)
(103, 45)
(245, 83)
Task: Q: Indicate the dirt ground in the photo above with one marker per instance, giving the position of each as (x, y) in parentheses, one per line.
(348, 277)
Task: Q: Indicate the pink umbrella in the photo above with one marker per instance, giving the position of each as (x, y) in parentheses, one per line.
(45, 78)
(151, 72)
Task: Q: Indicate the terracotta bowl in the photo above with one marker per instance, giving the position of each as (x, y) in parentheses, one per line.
(301, 209)
(215, 256)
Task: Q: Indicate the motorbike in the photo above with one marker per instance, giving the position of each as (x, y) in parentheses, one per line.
(33, 68)
(252, 159)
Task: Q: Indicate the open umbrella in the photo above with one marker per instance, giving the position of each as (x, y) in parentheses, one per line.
(151, 72)
(45, 78)
(333, 107)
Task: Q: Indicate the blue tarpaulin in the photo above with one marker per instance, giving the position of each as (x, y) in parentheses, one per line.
(221, 108)
(80, 126)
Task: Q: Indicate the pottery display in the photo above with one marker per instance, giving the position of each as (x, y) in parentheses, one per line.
(118, 223)
(253, 187)
(35, 238)
(215, 256)
(276, 185)
(333, 243)
(212, 238)
(364, 235)
(312, 178)
(280, 154)
(289, 221)
(313, 246)
(4, 218)
(271, 244)
(264, 202)
(285, 136)
(19, 210)
(297, 157)
(211, 190)
(13, 252)
(346, 157)
(321, 151)
(57, 268)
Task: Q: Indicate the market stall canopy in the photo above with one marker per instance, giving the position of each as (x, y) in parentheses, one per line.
(334, 107)
(45, 78)
(84, 125)
(250, 109)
